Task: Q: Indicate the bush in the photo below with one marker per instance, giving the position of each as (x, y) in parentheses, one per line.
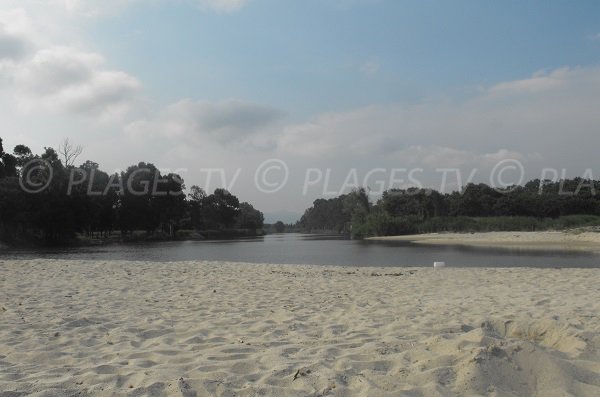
(380, 223)
(462, 224)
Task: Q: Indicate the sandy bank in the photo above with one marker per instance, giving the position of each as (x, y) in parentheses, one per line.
(571, 241)
(224, 329)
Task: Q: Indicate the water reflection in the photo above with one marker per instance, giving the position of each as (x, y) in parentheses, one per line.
(318, 250)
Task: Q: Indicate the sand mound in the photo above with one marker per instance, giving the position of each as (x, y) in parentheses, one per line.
(511, 358)
(549, 333)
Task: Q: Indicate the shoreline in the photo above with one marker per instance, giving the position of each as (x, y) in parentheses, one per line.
(545, 240)
(116, 238)
(221, 328)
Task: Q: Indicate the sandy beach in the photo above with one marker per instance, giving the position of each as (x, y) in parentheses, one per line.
(559, 240)
(227, 329)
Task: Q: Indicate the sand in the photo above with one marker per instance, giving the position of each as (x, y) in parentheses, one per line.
(563, 241)
(225, 329)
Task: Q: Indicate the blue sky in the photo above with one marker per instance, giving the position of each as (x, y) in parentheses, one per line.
(333, 84)
(306, 56)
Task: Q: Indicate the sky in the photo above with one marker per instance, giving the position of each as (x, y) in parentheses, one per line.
(283, 102)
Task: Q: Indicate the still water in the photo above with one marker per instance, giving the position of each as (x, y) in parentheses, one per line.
(317, 250)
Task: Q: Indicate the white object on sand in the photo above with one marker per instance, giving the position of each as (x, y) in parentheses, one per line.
(439, 264)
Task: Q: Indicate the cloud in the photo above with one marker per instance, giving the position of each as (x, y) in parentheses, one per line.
(54, 16)
(96, 8)
(370, 68)
(38, 74)
(91, 8)
(16, 35)
(434, 157)
(538, 83)
(12, 47)
(595, 37)
(223, 122)
(222, 5)
(344, 4)
(69, 80)
(549, 117)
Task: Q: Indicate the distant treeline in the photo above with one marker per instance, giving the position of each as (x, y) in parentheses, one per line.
(87, 201)
(538, 205)
(280, 227)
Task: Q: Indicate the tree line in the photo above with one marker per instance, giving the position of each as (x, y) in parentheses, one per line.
(537, 205)
(86, 201)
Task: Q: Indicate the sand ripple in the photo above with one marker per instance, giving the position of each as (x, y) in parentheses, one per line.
(224, 329)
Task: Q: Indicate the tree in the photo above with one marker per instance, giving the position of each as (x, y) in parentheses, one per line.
(196, 202)
(2, 172)
(326, 215)
(22, 155)
(279, 227)
(8, 163)
(250, 218)
(357, 205)
(22, 151)
(221, 209)
(96, 200)
(136, 209)
(197, 194)
(69, 153)
(138, 199)
(170, 202)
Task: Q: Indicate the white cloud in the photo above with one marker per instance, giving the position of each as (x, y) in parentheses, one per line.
(17, 35)
(370, 68)
(538, 83)
(91, 8)
(98, 8)
(222, 5)
(594, 36)
(353, 3)
(62, 21)
(39, 75)
(11, 47)
(69, 80)
(549, 117)
(223, 122)
(434, 157)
